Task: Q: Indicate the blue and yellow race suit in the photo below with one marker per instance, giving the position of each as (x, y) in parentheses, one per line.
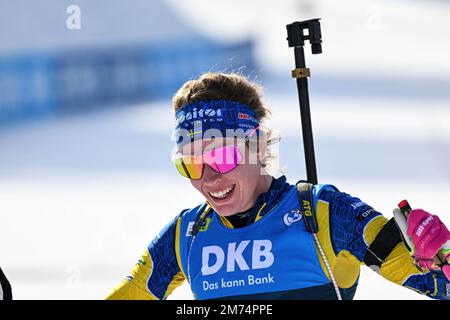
(274, 257)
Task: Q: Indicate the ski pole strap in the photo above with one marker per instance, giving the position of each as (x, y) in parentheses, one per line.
(382, 246)
(306, 200)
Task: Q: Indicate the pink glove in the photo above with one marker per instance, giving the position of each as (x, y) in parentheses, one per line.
(429, 235)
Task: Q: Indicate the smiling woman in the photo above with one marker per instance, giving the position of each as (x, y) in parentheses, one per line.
(253, 236)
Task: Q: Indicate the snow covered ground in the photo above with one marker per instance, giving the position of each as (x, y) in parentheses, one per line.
(81, 197)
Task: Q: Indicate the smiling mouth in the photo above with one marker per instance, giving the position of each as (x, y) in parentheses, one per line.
(222, 195)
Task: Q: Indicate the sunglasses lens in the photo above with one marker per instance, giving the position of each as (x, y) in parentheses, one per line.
(221, 160)
(189, 167)
(224, 159)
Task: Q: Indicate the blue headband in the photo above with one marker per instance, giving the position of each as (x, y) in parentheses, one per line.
(194, 119)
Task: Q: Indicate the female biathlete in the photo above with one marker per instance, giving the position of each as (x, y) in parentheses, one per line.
(260, 237)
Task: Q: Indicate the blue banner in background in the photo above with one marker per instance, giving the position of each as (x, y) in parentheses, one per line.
(25, 87)
(39, 85)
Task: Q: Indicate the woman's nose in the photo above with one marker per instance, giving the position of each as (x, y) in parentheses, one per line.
(210, 176)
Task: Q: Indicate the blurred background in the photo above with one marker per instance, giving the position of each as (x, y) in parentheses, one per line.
(86, 179)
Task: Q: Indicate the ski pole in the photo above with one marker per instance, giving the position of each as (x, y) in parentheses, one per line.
(298, 32)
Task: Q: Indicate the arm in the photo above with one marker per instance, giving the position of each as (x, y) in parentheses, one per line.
(355, 229)
(157, 273)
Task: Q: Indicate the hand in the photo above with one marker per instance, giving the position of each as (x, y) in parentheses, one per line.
(429, 236)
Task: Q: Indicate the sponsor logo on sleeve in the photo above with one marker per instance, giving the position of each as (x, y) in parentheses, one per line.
(358, 204)
(362, 216)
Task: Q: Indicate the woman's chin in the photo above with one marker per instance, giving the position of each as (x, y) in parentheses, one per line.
(227, 210)
(227, 205)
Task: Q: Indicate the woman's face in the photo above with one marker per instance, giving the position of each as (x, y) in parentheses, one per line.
(237, 190)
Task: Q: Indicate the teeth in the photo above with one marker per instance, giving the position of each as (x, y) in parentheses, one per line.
(221, 194)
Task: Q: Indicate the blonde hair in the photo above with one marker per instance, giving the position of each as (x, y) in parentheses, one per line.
(232, 87)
